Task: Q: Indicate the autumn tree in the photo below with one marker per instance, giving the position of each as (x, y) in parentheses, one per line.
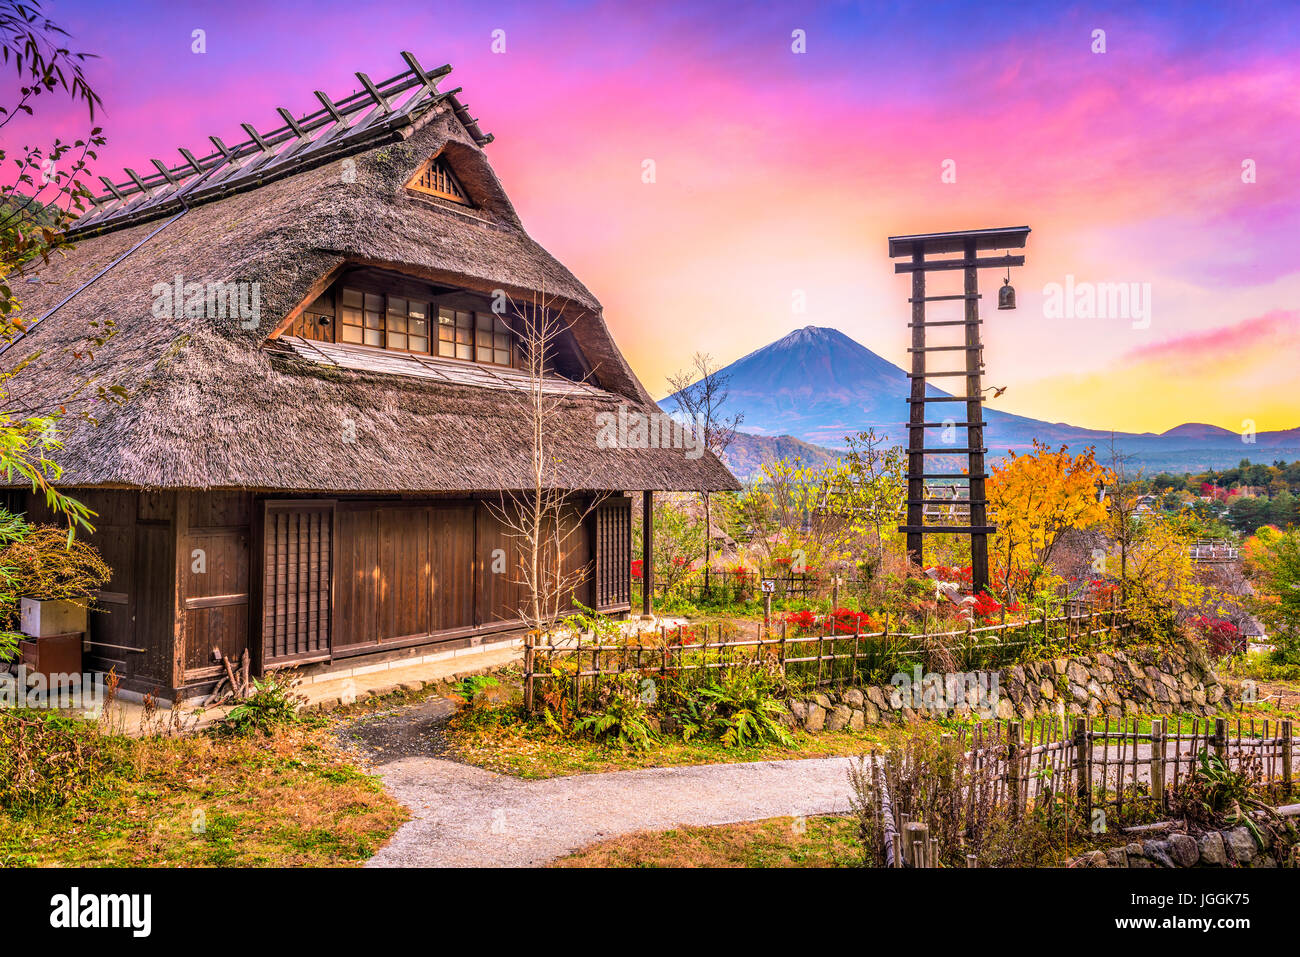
(814, 515)
(879, 478)
(1273, 559)
(1034, 499)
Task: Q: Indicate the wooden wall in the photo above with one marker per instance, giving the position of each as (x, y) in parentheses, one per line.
(193, 571)
(132, 630)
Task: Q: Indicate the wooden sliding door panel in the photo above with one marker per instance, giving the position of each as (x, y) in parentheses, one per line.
(451, 560)
(297, 578)
(613, 586)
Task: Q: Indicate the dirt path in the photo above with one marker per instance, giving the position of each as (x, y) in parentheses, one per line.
(464, 816)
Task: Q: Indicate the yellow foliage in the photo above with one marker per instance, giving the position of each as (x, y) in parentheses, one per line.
(1034, 498)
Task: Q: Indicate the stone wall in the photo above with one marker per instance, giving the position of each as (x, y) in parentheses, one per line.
(1234, 847)
(1149, 680)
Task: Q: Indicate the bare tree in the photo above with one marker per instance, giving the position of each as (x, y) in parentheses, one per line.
(544, 518)
(701, 393)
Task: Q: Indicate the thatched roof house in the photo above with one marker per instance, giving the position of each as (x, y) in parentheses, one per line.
(323, 331)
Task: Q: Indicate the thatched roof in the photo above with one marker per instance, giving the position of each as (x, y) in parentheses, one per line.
(214, 405)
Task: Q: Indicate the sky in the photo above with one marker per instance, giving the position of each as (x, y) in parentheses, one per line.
(789, 140)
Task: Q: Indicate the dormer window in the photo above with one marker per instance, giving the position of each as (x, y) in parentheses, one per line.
(406, 323)
(436, 179)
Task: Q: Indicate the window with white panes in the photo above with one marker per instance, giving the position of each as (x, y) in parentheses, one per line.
(405, 324)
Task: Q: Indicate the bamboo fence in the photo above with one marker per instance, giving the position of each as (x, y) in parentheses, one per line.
(584, 663)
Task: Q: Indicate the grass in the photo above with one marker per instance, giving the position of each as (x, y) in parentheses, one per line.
(776, 842)
(497, 739)
(289, 799)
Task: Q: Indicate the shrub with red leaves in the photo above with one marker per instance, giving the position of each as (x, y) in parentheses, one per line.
(636, 568)
(801, 621)
(1221, 637)
(845, 621)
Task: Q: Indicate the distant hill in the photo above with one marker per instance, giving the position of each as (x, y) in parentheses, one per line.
(749, 453)
(818, 385)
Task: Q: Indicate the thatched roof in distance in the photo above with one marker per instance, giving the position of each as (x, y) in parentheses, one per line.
(214, 405)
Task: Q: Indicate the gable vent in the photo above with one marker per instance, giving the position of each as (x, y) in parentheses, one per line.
(436, 179)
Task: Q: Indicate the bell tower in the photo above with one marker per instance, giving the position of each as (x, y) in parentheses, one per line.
(934, 252)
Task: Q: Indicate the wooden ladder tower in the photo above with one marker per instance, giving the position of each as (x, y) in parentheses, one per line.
(933, 252)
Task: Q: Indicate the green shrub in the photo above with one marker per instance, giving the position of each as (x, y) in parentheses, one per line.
(741, 709)
(622, 717)
(472, 687)
(272, 705)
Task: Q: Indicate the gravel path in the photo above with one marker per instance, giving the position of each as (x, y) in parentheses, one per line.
(464, 816)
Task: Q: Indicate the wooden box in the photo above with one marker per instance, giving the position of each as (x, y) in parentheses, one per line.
(53, 654)
(42, 619)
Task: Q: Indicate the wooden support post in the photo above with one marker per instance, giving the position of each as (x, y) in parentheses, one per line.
(916, 431)
(528, 671)
(1158, 762)
(835, 593)
(916, 843)
(1013, 766)
(979, 541)
(1287, 744)
(647, 555)
(1083, 766)
(1220, 742)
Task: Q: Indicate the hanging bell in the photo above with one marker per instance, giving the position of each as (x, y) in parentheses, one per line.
(1007, 295)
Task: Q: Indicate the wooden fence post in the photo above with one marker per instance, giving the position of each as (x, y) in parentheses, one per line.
(1287, 744)
(1220, 742)
(528, 672)
(1083, 765)
(1013, 766)
(916, 844)
(1158, 762)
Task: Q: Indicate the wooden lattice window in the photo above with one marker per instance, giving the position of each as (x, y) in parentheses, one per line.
(437, 179)
(614, 555)
(296, 580)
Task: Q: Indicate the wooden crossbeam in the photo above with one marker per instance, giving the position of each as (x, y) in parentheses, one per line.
(189, 158)
(135, 178)
(166, 173)
(950, 529)
(384, 93)
(935, 375)
(374, 92)
(947, 348)
(290, 122)
(256, 137)
(946, 322)
(330, 108)
(954, 450)
(945, 298)
(111, 188)
(939, 265)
